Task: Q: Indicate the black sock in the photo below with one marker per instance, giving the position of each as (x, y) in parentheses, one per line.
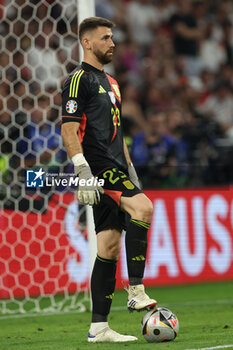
(102, 288)
(136, 246)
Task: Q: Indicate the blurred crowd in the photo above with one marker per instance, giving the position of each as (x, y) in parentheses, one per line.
(174, 64)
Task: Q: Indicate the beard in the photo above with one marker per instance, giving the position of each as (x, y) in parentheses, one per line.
(103, 58)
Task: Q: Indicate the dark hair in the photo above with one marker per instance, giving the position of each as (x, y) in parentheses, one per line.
(91, 23)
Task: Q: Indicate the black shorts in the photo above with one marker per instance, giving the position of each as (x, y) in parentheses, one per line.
(107, 214)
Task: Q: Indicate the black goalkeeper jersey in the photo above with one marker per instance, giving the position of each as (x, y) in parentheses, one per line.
(92, 98)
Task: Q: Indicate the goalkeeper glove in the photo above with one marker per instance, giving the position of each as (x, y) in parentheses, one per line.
(88, 192)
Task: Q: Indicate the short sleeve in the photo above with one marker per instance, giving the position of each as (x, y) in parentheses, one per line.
(75, 95)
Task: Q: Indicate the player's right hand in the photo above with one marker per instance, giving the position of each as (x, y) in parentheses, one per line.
(88, 191)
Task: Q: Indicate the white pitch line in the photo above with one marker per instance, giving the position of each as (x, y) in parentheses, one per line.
(120, 308)
(215, 347)
(38, 314)
(186, 303)
(201, 302)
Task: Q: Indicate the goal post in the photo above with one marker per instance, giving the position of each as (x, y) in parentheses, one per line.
(86, 8)
(45, 256)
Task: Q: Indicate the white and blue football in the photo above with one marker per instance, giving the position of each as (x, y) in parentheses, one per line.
(160, 325)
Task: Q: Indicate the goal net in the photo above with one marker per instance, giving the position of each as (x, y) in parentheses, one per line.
(44, 258)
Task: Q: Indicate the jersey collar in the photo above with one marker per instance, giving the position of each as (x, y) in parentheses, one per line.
(87, 67)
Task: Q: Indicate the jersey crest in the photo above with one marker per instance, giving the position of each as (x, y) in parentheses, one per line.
(114, 87)
(112, 97)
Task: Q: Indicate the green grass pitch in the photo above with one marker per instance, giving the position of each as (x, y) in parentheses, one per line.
(205, 313)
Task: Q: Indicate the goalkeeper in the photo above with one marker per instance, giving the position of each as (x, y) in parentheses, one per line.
(92, 134)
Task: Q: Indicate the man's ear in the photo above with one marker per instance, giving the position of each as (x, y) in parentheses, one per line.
(86, 44)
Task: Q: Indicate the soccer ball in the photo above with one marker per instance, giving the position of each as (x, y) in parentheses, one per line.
(159, 325)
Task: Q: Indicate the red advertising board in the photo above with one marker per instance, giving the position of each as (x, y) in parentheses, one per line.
(190, 240)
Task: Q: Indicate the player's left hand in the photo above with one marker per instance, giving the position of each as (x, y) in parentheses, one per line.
(133, 176)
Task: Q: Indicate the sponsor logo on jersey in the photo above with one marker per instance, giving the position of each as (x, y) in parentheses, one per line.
(71, 106)
(101, 90)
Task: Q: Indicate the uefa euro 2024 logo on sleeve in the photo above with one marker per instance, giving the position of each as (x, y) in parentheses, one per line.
(35, 178)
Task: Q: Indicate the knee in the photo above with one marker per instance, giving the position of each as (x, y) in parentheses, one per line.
(144, 210)
(112, 250)
(150, 209)
(139, 207)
